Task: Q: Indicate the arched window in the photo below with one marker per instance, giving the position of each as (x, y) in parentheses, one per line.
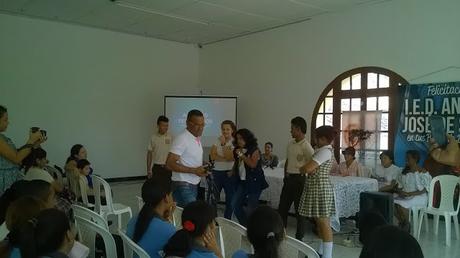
(361, 89)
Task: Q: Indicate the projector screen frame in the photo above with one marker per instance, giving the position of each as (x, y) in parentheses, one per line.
(204, 97)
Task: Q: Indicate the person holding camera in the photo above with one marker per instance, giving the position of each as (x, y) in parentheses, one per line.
(10, 157)
(185, 160)
(248, 168)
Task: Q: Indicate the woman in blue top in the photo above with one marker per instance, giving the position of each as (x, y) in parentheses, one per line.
(197, 238)
(151, 229)
(10, 157)
(248, 168)
(265, 232)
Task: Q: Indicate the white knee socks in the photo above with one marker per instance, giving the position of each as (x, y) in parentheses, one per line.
(327, 249)
(321, 247)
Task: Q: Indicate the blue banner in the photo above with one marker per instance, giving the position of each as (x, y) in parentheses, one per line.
(418, 103)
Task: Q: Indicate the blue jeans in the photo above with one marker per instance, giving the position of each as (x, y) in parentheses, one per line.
(184, 193)
(240, 197)
(222, 180)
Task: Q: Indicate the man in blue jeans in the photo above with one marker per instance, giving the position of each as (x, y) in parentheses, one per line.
(185, 160)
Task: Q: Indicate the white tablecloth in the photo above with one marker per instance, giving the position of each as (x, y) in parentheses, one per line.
(347, 191)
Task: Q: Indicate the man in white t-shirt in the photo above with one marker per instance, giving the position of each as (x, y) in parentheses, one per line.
(158, 149)
(185, 160)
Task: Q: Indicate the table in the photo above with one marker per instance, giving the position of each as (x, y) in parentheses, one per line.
(346, 189)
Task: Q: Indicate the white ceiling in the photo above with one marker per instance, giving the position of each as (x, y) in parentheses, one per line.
(187, 21)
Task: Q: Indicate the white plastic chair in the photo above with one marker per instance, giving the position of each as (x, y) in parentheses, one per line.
(177, 217)
(130, 247)
(90, 215)
(292, 247)
(82, 186)
(111, 208)
(140, 202)
(414, 215)
(89, 230)
(233, 237)
(446, 208)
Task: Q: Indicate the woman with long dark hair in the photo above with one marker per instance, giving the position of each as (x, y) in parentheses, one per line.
(47, 235)
(248, 167)
(197, 237)
(151, 229)
(265, 232)
(389, 241)
(18, 214)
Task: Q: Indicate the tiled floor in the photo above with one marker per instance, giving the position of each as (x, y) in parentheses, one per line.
(433, 246)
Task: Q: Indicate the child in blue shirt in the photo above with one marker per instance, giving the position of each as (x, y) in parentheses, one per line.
(152, 228)
(197, 237)
(265, 232)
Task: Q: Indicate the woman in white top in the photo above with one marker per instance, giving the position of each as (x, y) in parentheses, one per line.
(411, 188)
(222, 155)
(386, 172)
(349, 167)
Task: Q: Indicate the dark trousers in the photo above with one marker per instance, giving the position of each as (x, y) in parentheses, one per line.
(229, 184)
(291, 193)
(161, 172)
(241, 197)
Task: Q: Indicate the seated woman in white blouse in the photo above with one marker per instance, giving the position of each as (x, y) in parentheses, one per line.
(386, 172)
(411, 188)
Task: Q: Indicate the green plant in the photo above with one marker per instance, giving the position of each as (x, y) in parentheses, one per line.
(357, 136)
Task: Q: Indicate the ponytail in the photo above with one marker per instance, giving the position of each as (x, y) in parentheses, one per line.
(154, 190)
(269, 249)
(26, 240)
(42, 235)
(265, 232)
(146, 214)
(20, 220)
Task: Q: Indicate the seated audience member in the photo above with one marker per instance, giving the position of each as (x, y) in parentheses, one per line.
(265, 232)
(10, 195)
(386, 172)
(36, 188)
(391, 242)
(152, 228)
(197, 237)
(268, 158)
(368, 223)
(349, 167)
(83, 167)
(19, 213)
(47, 235)
(34, 166)
(77, 152)
(411, 187)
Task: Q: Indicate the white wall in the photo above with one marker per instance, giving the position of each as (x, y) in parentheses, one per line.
(280, 73)
(99, 88)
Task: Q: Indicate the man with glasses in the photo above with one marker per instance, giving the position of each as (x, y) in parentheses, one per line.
(185, 159)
